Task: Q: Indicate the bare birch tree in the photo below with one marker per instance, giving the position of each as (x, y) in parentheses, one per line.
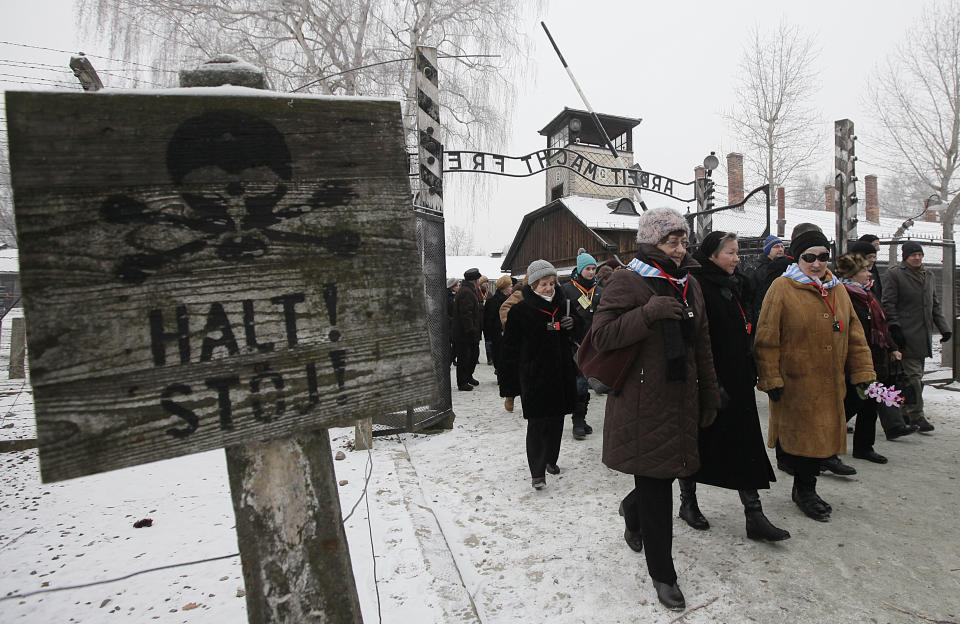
(916, 100)
(342, 47)
(773, 121)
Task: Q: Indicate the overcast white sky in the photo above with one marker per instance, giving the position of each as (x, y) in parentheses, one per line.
(673, 64)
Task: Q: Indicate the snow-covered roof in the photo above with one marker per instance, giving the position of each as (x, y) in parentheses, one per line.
(596, 213)
(9, 261)
(750, 222)
(489, 267)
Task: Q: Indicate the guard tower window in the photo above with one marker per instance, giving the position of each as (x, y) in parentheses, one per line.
(556, 192)
(621, 143)
(561, 138)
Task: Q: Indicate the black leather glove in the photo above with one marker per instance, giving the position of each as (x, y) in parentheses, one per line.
(862, 389)
(566, 322)
(945, 336)
(660, 307)
(775, 394)
(898, 337)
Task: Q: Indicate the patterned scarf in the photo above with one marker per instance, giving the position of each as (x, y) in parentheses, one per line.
(793, 272)
(879, 331)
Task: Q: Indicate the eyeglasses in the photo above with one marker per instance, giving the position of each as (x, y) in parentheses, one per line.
(673, 244)
(811, 258)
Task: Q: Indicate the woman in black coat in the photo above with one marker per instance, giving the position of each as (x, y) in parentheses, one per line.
(537, 365)
(732, 453)
(492, 330)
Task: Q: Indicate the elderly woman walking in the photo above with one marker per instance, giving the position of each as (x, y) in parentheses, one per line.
(853, 271)
(732, 454)
(536, 364)
(809, 344)
(652, 423)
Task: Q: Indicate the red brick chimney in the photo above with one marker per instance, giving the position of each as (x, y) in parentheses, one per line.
(873, 200)
(734, 178)
(829, 193)
(930, 215)
(781, 211)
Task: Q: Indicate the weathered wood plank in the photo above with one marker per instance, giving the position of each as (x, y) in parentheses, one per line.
(199, 271)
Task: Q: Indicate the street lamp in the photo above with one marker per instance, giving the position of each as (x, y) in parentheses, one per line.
(930, 202)
(710, 163)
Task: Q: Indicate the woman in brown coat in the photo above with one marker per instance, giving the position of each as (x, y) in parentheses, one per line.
(809, 343)
(652, 423)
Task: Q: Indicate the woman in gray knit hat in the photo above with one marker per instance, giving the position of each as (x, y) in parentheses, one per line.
(652, 423)
(536, 364)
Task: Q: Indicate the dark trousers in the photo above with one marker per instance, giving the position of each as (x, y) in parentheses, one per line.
(543, 443)
(865, 432)
(649, 510)
(468, 353)
(805, 469)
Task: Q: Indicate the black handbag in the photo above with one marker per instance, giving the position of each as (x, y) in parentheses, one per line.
(899, 379)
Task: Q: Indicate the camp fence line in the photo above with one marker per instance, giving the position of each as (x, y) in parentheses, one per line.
(558, 157)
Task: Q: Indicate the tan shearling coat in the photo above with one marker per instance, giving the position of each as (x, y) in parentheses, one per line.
(797, 349)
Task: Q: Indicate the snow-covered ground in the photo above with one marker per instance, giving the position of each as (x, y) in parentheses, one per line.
(460, 536)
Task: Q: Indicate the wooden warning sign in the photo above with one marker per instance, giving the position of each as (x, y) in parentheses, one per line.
(212, 267)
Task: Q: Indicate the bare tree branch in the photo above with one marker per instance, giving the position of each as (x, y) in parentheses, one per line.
(774, 124)
(915, 98)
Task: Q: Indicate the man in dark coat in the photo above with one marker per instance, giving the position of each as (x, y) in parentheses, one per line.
(912, 305)
(468, 328)
(583, 293)
(453, 285)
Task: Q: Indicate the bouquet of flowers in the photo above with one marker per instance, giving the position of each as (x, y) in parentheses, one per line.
(880, 393)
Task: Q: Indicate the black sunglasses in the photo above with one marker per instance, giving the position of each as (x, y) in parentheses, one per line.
(811, 258)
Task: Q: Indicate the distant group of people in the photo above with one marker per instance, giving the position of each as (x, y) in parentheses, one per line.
(703, 334)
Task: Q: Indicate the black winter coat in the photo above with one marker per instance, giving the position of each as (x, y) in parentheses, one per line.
(537, 363)
(582, 317)
(492, 330)
(762, 278)
(732, 453)
(467, 313)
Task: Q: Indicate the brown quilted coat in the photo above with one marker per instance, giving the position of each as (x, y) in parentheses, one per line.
(651, 425)
(797, 349)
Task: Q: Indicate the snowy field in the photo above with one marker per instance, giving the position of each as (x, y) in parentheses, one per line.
(458, 534)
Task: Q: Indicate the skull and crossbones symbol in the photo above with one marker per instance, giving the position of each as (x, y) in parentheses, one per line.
(232, 170)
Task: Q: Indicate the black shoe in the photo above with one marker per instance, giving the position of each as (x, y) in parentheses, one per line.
(787, 469)
(870, 455)
(924, 426)
(465, 388)
(632, 538)
(538, 483)
(670, 596)
(837, 467)
(849, 429)
(553, 469)
(811, 504)
(587, 428)
(900, 431)
(473, 382)
(579, 433)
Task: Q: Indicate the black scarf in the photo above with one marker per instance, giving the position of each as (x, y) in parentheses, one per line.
(677, 335)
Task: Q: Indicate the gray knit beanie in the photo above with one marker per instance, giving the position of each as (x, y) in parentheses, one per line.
(657, 223)
(539, 269)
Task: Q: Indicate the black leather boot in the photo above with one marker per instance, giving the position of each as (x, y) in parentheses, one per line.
(669, 595)
(758, 526)
(579, 422)
(586, 427)
(689, 510)
(811, 504)
(632, 537)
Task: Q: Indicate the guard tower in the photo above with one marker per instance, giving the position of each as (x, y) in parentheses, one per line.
(574, 130)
